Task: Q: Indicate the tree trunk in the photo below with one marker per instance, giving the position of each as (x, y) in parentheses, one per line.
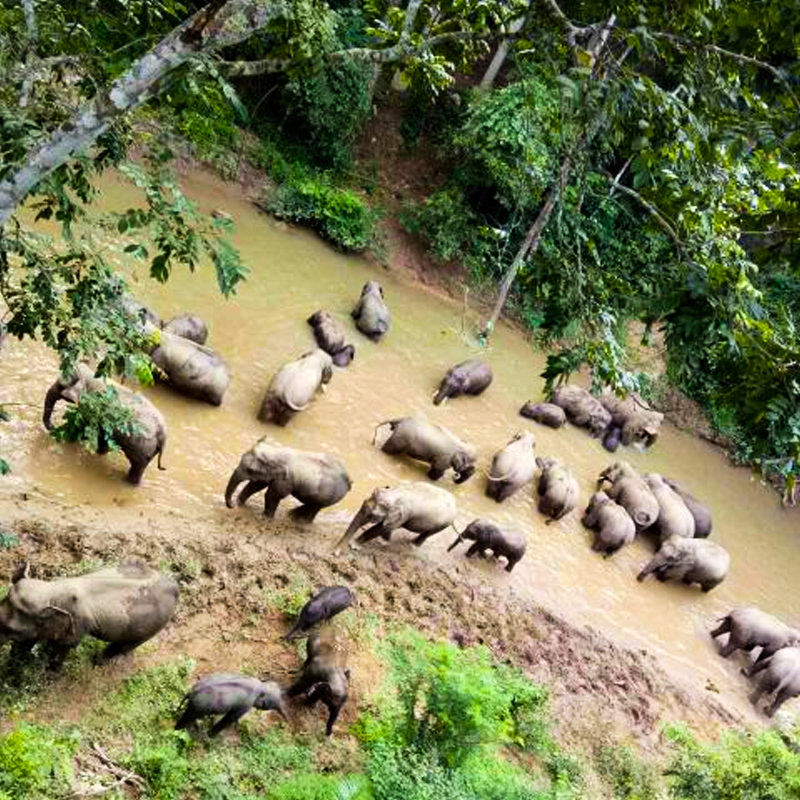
(488, 79)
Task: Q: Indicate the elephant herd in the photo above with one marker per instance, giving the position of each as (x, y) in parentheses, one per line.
(626, 503)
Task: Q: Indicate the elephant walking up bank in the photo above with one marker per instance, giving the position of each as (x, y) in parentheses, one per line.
(749, 628)
(486, 536)
(781, 676)
(148, 436)
(295, 385)
(690, 561)
(317, 480)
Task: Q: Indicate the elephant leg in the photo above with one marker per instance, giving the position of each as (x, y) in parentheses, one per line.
(393, 446)
(435, 472)
(115, 649)
(474, 550)
(780, 698)
(724, 627)
(755, 668)
(373, 533)
(273, 497)
(511, 563)
(189, 717)
(421, 538)
(505, 491)
(232, 717)
(250, 488)
(730, 647)
(306, 512)
(136, 471)
(57, 654)
(333, 715)
(300, 686)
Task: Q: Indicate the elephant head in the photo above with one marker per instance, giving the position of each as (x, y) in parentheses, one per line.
(270, 698)
(670, 554)
(471, 533)
(380, 507)
(68, 388)
(615, 471)
(463, 463)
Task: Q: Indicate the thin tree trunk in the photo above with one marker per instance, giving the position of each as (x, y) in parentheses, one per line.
(488, 79)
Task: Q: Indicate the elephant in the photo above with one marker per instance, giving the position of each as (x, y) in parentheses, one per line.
(611, 522)
(426, 441)
(418, 507)
(317, 480)
(545, 414)
(140, 312)
(147, 437)
(187, 326)
(703, 520)
(558, 489)
(612, 438)
(324, 605)
(631, 492)
(674, 518)
(690, 561)
(330, 337)
(371, 314)
(294, 386)
(324, 678)
(582, 409)
(124, 605)
(190, 368)
(781, 676)
(749, 628)
(640, 424)
(469, 377)
(486, 535)
(231, 695)
(512, 467)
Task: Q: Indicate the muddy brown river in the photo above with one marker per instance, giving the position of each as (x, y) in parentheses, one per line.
(293, 274)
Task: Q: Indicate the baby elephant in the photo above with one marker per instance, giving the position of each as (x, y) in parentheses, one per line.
(545, 414)
(469, 377)
(750, 628)
(612, 525)
(371, 314)
(690, 561)
(323, 679)
(232, 696)
(512, 467)
(323, 606)
(558, 489)
(330, 336)
(781, 675)
(486, 535)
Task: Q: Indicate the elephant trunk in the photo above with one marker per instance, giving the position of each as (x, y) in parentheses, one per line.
(50, 400)
(441, 395)
(458, 540)
(235, 479)
(648, 569)
(358, 521)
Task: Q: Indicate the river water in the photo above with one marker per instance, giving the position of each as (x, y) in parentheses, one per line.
(292, 275)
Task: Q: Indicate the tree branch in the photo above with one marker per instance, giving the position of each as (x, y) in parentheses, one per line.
(651, 209)
(31, 51)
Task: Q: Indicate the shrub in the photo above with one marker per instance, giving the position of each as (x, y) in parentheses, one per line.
(625, 774)
(323, 787)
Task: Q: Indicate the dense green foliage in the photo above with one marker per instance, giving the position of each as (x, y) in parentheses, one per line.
(35, 763)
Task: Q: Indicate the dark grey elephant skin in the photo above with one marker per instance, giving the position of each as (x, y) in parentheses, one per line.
(582, 409)
(467, 378)
(558, 489)
(418, 507)
(187, 326)
(124, 606)
(690, 561)
(611, 523)
(324, 678)
(629, 489)
(149, 436)
(749, 628)
(674, 518)
(426, 441)
(330, 336)
(512, 467)
(486, 536)
(548, 414)
(140, 313)
(317, 480)
(324, 605)
(371, 313)
(232, 696)
(639, 424)
(781, 675)
(703, 519)
(295, 385)
(612, 438)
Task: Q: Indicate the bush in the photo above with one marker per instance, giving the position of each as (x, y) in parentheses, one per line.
(35, 762)
(323, 787)
(625, 774)
(337, 214)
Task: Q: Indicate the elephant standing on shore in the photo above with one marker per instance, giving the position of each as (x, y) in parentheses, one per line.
(631, 492)
(187, 326)
(148, 435)
(690, 561)
(639, 423)
(512, 467)
(703, 520)
(548, 414)
(611, 522)
(486, 536)
(558, 489)
(371, 313)
(674, 518)
(426, 441)
(582, 409)
(749, 628)
(317, 480)
(295, 385)
(418, 507)
(781, 676)
(469, 377)
(330, 337)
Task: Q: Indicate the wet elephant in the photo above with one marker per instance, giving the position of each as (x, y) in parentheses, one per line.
(426, 441)
(330, 336)
(582, 409)
(418, 507)
(187, 326)
(748, 628)
(317, 480)
(324, 605)
(631, 492)
(674, 518)
(548, 414)
(512, 467)
(703, 519)
(294, 386)
(689, 560)
(611, 523)
(467, 378)
(638, 423)
(371, 314)
(781, 675)
(558, 489)
(148, 436)
(612, 438)
(486, 536)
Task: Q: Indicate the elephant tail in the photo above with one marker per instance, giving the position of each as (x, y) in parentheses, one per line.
(643, 519)
(293, 407)
(162, 443)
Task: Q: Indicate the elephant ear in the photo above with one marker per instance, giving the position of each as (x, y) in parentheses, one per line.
(395, 517)
(57, 623)
(22, 572)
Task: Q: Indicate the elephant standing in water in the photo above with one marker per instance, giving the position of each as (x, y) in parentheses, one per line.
(582, 409)
(512, 467)
(371, 313)
(141, 445)
(426, 441)
(638, 423)
(558, 489)
(703, 520)
(469, 377)
(631, 492)
(674, 518)
(545, 414)
(317, 480)
(330, 337)
(690, 561)
(611, 522)
(295, 385)
(749, 628)
(418, 507)
(781, 675)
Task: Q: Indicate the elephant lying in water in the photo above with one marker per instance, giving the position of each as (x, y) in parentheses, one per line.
(611, 522)
(426, 441)
(149, 435)
(582, 409)
(512, 467)
(690, 561)
(124, 606)
(749, 628)
(631, 492)
(545, 414)
(674, 518)
(703, 520)
(469, 377)
(486, 536)
(371, 313)
(638, 423)
(330, 337)
(781, 675)
(558, 489)
(317, 480)
(418, 507)
(295, 385)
